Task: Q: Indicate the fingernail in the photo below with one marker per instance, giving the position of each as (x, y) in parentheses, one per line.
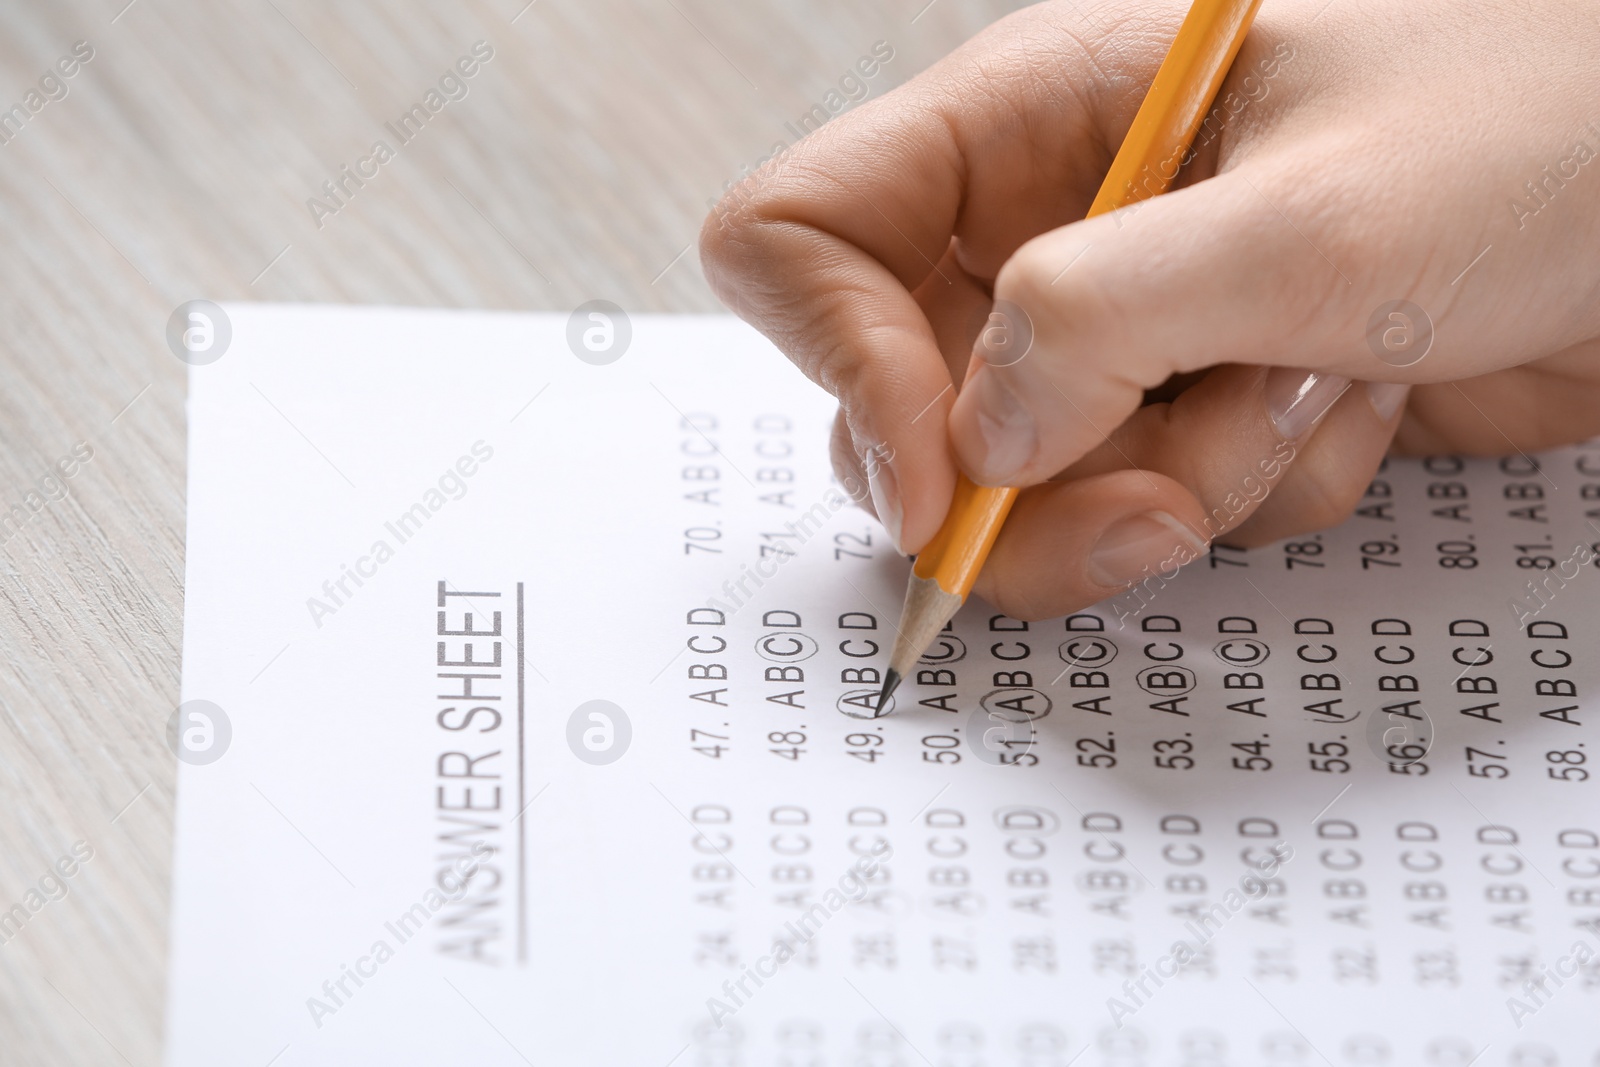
(885, 491)
(1386, 398)
(1139, 545)
(1007, 437)
(1296, 400)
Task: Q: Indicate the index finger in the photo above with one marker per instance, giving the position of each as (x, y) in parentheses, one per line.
(823, 248)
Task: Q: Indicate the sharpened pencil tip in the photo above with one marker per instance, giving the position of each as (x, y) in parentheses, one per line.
(891, 681)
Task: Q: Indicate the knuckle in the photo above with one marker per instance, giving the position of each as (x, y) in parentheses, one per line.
(847, 466)
(727, 237)
(746, 236)
(1071, 311)
(1025, 279)
(844, 376)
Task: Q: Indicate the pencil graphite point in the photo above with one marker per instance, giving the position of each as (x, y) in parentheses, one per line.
(927, 609)
(891, 682)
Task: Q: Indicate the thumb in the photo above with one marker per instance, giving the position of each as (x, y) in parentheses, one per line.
(1091, 315)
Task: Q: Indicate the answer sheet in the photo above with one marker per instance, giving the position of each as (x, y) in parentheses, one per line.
(524, 686)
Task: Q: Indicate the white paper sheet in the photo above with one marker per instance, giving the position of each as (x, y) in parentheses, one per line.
(1066, 845)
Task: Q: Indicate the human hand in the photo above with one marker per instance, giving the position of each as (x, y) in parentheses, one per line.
(1362, 153)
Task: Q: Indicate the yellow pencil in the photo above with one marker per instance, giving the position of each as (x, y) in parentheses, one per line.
(1145, 165)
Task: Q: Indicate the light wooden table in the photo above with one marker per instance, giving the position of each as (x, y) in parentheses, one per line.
(177, 166)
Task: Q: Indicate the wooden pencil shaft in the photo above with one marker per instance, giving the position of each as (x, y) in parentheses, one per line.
(1146, 164)
(1152, 153)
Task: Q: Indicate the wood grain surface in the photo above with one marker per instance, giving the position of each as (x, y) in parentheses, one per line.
(178, 165)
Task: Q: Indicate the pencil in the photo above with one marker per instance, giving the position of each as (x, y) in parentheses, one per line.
(1145, 165)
